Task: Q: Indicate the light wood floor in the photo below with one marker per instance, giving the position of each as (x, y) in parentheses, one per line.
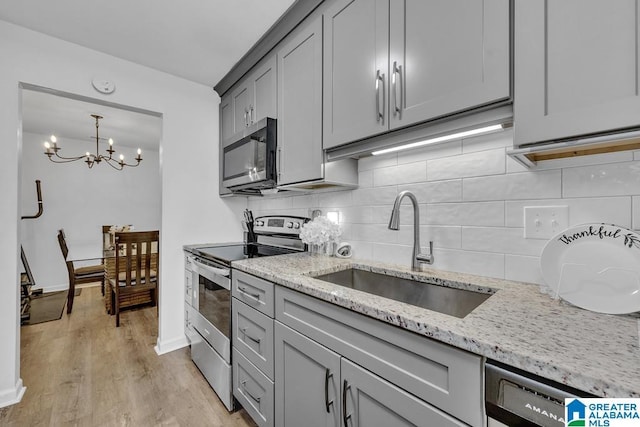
(83, 371)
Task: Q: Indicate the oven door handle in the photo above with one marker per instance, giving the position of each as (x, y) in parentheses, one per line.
(220, 276)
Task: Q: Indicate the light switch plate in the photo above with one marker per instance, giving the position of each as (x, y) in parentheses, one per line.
(544, 222)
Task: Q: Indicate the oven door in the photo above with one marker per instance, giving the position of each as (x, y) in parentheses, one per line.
(250, 162)
(212, 299)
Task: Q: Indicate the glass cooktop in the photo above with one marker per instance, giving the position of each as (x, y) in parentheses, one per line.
(225, 253)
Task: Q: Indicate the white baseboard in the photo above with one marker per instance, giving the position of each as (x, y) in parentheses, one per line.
(168, 346)
(12, 396)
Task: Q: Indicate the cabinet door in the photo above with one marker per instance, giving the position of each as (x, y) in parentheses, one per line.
(307, 375)
(226, 118)
(241, 98)
(370, 401)
(576, 68)
(264, 82)
(300, 156)
(446, 56)
(356, 52)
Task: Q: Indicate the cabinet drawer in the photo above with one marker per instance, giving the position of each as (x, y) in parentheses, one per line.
(254, 292)
(253, 336)
(435, 372)
(253, 390)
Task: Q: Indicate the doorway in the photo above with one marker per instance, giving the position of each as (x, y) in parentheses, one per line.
(77, 198)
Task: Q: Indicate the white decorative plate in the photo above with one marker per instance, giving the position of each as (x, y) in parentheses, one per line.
(595, 266)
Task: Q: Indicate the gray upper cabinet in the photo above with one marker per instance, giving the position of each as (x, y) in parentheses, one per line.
(356, 56)
(254, 97)
(446, 56)
(576, 68)
(226, 118)
(300, 155)
(393, 63)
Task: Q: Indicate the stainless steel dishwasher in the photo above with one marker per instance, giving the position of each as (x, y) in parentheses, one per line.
(515, 398)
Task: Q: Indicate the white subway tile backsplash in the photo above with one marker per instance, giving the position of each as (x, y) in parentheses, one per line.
(436, 191)
(615, 179)
(526, 185)
(450, 148)
(481, 263)
(480, 214)
(523, 269)
(612, 210)
(471, 197)
(394, 254)
(489, 162)
(335, 199)
(375, 162)
(365, 179)
(488, 142)
(306, 201)
(374, 196)
(373, 233)
(442, 236)
(501, 240)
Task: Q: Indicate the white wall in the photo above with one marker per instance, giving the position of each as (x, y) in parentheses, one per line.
(191, 211)
(471, 197)
(80, 200)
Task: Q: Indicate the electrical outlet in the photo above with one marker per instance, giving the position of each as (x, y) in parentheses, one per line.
(544, 222)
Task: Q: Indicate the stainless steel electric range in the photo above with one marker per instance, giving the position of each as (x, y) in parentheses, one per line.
(208, 292)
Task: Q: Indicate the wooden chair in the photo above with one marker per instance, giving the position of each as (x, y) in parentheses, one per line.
(79, 275)
(136, 282)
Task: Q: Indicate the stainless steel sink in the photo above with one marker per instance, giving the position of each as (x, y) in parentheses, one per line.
(451, 301)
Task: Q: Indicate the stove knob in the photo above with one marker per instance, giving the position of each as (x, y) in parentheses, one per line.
(289, 224)
(296, 225)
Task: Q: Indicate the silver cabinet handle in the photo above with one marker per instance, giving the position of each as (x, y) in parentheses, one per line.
(246, 117)
(279, 171)
(251, 118)
(246, 390)
(249, 294)
(379, 88)
(345, 389)
(244, 331)
(397, 81)
(327, 402)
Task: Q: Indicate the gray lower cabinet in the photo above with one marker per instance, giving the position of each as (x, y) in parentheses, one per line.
(576, 68)
(307, 380)
(370, 401)
(253, 389)
(434, 377)
(389, 64)
(300, 155)
(312, 383)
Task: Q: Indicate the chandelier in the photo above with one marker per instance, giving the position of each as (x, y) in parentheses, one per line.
(51, 151)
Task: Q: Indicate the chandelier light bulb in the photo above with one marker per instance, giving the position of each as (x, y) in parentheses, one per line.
(53, 138)
(88, 154)
(139, 151)
(47, 145)
(110, 141)
(121, 157)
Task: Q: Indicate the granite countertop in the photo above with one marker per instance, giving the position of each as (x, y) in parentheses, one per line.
(518, 325)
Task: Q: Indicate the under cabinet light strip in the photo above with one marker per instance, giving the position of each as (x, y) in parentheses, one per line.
(443, 138)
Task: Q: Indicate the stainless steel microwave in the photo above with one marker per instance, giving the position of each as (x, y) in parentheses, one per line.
(249, 164)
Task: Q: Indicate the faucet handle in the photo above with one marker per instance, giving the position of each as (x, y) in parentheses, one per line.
(427, 258)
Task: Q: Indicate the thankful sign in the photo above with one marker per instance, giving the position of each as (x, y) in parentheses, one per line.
(602, 232)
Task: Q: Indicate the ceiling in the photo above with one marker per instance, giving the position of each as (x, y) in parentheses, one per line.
(66, 118)
(199, 40)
